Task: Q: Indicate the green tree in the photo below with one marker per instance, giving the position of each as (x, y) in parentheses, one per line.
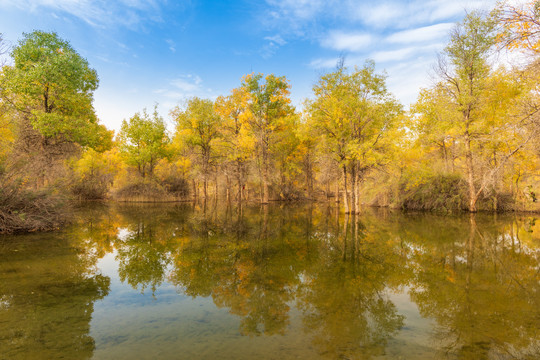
(143, 141)
(52, 85)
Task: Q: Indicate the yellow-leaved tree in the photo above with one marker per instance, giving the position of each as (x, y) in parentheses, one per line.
(267, 105)
(354, 112)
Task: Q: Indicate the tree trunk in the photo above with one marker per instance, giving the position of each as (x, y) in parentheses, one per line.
(353, 188)
(356, 193)
(337, 187)
(240, 190)
(228, 191)
(217, 186)
(473, 196)
(345, 192)
(264, 199)
(445, 153)
(309, 178)
(240, 178)
(327, 189)
(453, 156)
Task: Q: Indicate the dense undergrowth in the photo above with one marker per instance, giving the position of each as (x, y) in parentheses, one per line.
(25, 210)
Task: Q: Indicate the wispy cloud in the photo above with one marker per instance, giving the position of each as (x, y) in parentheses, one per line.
(400, 14)
(172, 45)
(272, 45)
(301, 16)
(183, 87)
(97, 13)
(344, 41)
(400, 36)
(300, 9)
(187, 84)
(277, 39)
(422, 34)
(406, 53)
(324, 63)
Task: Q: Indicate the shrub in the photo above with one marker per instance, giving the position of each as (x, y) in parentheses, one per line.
(176, 185)
(24, 210)
(93, 174)
(441, 192)
(144, 191)
(90, 189)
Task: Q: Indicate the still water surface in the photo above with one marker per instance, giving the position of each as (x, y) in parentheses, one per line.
(277, 282)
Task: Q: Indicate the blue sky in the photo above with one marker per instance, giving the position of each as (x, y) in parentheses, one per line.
(148, 51)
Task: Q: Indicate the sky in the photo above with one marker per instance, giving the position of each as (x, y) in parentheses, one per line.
(163, 51)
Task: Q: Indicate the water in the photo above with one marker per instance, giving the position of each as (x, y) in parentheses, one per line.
(275, 282)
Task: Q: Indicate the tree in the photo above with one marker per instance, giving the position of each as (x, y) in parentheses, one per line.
(53, 86)
(143, 141)
(353, 112)
(287, 154)
(519, 25)
(268, 104)
(238, 140)
(309, 157)
(482, 106)
(197, 126)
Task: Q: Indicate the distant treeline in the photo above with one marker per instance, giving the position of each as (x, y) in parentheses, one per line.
(470, 142)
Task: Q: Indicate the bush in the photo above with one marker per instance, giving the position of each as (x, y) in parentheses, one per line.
(287, 192)
(176, 186)
(90, 189)
(143, 191)
(93, 174)
(24, 210)
(441, 192)
(493, 201)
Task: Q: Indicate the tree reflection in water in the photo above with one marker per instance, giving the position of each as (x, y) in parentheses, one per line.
(48, 287)
(477, 278)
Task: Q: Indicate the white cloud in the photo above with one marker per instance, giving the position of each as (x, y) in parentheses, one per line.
(343, 41)
(269, 49)
(172, 45)
(98, 13)
(406, 79)
(300, 16)
(380, 15)
(406, 53)
(301, 9)
(187, 84)
(392, 55)
(276, 39)
(324, 63)
(422, 34)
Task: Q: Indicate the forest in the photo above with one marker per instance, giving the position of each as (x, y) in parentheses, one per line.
(469, 142)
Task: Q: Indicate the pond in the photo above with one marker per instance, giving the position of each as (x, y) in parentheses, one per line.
(224, 281)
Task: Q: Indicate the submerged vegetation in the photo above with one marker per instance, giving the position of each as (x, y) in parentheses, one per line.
(468, 143)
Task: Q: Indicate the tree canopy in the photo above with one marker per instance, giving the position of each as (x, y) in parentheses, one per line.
(53, 86)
